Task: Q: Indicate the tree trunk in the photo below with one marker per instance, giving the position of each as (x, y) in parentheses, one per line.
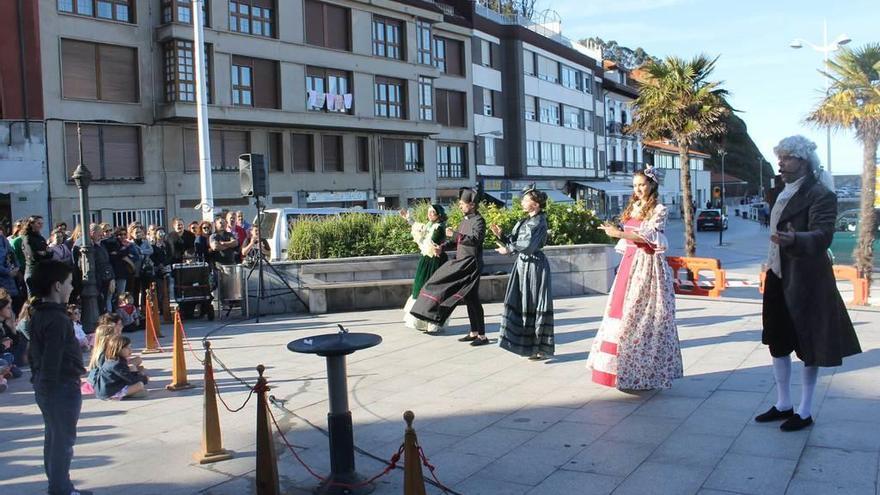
(690, 244)
(864, 251)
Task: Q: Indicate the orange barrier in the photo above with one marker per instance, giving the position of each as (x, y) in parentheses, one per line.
(861, 288)
(267, 464)
(157, 320)
(694, 266)
(151, 332)
(413, 480)
(167, 317)
(178, 359)
(212, 444)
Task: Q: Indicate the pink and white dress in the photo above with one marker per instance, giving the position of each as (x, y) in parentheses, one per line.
(637, 346)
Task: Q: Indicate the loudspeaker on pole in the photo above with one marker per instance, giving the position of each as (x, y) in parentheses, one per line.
(253, 174)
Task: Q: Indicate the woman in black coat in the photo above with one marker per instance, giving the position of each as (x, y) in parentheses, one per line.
(803, 311)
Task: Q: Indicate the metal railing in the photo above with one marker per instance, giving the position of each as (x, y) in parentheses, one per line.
(592, 50)
(146, 216)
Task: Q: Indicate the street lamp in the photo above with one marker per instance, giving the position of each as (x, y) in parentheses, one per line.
(761, 176)
(89, 297)
(826, 48)
(723, 153)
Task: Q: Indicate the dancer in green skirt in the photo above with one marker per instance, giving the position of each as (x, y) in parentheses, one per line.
(428, 236)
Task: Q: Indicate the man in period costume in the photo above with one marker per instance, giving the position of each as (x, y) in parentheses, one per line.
(458, 280)
(803, 311)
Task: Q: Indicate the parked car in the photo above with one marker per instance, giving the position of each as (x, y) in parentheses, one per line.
(711, 219)
(846, 235)
(277, 223)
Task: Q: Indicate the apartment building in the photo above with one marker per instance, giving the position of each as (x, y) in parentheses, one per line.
(665, 158)
(538, 112)
(352, 103)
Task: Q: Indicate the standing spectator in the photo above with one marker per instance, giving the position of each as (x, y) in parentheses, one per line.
(162, 262)
(223, 243)
(637, 345)
(141, 252)
(527, 321)
(249, 250)
(9, 268)
(239, 217)
(235, 229)
(202, 243)
(13, 345)
(34, 247)
(56, 366)
(180, 240)
(117, 247)
(15, 238)
(59, 248)
(803, 311)
(103, 268)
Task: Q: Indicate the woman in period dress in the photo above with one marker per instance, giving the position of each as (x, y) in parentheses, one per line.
(637, 346)
(527, 321)
(428, 236)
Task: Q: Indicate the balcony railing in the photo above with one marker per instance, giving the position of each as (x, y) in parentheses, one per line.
(592, 51)
(621, 167)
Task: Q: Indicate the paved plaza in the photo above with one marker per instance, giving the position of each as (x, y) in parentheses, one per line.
(491, 422)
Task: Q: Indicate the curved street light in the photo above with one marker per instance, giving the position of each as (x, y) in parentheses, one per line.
(825, 48)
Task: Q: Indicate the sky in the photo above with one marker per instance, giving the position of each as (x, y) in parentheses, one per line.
(772, 85)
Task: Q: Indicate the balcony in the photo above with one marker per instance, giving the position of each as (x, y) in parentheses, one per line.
(621, 167)
(546, 30)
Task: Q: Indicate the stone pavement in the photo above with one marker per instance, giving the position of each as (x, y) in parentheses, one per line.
(491, 422)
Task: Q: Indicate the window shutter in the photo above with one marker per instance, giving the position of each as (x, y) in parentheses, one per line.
(481, 149)
(302, 152)
(234, 143)
(276, 152)
(332, 146)
(190, 150)
(392, 155)
(265, 83)
(497, 104)
(119, 73)
(457, 108)
(363, 153)
(442, 106)
(454, 57)
(314, 17)
(499, 152)
(337, 27)
(217, 150)
(91, 149)
(122, 157)
(496, 56)
(476, 51)
(79, 69)
(478, 100)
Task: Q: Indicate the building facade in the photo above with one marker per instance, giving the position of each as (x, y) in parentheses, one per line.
(352, 103)
(665, 158)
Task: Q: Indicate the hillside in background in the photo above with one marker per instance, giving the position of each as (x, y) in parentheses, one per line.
(742, 152)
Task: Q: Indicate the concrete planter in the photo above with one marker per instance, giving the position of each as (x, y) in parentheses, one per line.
(346, 284)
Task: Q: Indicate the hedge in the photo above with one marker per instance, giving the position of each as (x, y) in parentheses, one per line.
(362, 234)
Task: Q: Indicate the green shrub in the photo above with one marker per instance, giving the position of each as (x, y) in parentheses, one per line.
(361, 234)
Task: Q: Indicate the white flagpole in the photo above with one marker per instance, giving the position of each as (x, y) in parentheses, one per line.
(206, 186)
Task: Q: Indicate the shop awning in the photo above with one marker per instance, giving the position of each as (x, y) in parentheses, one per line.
(552, 194)
(609, 188)
(19, 176)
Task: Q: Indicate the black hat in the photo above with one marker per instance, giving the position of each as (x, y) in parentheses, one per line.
(468, 195)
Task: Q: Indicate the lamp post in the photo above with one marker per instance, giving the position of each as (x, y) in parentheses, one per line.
(761, 177)
(723, 153)
(89, 297)
(826, 48)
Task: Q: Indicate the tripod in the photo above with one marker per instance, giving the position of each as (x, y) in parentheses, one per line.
(261, 260)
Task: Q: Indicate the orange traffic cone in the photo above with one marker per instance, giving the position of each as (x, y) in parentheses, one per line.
(157, 318)
(151, 342)
(212, 444)
(167, 317)
(178, 359)
(413, 480)
(267, 464)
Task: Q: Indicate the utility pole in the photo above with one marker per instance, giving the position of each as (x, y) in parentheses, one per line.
(723, 153)
(205, 182)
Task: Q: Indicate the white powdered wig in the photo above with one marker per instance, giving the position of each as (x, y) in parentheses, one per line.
(801, 147)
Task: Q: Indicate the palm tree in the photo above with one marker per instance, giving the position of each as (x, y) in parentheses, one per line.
(677, 101)
(853, 102)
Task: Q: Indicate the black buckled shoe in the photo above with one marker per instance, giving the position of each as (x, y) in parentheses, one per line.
(796, 423)
(774, 414)
(468, 338)
(479, 341)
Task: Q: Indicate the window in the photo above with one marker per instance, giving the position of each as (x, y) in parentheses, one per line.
(423, 41)
(255, 82)
(363, 154)
(275, 152)
(587, 84)
(549, 112)
(226, 145)
(180, 78)
(181, 11)
(448, 56)
(488, 150)
(588, 155)
(529, 63)
(574, 156)
(302, 152)
(450, 108)
(548, 70)
(399, 155)
(486, 53)
(572, 117)
(327, 25)
(388, 38)
(588, 120)
(112, 152)
(531, 113)
(255, 17)
(114, 10)
(95, 71)
(551, 155)
(426, 98)
(390, 96)
(322, 82)
(488, 107)
(332, 146)
(533, 154)
(571, 78)
(450, 161)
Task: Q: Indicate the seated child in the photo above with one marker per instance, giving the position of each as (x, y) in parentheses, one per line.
(131, 317)
(4, 371)
(113, 379)
(75, 315)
